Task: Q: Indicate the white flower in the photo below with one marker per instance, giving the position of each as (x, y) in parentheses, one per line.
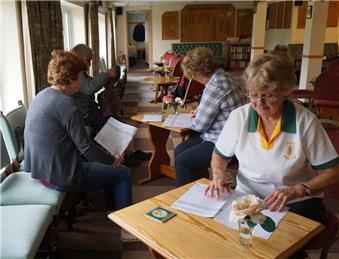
(178, 101)
(248, 205)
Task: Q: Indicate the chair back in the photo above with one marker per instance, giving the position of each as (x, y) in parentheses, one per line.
(326, 87)
(326, 238)
(175, 60)
(12, 127)
(332, 130)
(194, 92)
(166, 57)
(177, 70)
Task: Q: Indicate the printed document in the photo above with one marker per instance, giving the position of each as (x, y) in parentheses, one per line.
(194, 201)
(181, 120)
(153, 117)
(223, 217)
(115, 136)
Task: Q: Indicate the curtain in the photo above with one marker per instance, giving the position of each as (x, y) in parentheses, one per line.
(45, 30)
(93, 14)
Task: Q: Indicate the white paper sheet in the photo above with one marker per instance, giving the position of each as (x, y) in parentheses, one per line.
(115, 136)
(181, 120)
(194, 201)
(153, 117)
(223, 217)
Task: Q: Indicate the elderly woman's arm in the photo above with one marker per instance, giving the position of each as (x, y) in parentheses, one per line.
(278, 199)
(222, 180)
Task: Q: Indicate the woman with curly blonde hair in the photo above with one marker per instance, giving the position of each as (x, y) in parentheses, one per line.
(221, 95)
(56, 140)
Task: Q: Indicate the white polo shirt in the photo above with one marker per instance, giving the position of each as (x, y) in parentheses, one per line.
(300, 143)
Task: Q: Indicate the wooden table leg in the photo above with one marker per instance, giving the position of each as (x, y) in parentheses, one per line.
(157, 90)
(160, 156)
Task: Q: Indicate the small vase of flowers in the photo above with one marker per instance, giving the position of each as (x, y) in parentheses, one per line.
(174, 103)
(247, 211)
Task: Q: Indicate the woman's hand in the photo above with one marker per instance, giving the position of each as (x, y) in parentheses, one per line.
(220, 183)
(277, 200)
(118, 159)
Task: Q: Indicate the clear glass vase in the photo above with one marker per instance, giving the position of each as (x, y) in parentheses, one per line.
(174, 109)
(245, 232)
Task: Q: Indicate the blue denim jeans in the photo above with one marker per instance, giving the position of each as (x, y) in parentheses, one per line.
(190, 156)
(115, 181)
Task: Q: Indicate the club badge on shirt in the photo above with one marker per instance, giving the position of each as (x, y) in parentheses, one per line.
(289, 150)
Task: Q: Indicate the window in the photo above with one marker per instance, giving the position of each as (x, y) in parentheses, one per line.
(11, 81)
(73, 24)
(66, 20)
(102, 37)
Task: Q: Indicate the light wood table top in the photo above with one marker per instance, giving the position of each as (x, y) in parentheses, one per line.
(189, 236)
(160, 69)
(140, 117)
(162, 80)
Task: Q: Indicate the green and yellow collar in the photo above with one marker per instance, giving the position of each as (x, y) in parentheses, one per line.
(288, 121)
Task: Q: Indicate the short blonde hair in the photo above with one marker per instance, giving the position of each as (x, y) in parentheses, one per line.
(64, 66)
(199, 60)
(270, 72)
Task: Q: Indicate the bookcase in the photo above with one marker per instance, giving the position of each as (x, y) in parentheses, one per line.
(238, 56)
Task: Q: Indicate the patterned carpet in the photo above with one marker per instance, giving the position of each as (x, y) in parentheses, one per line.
(95, 236)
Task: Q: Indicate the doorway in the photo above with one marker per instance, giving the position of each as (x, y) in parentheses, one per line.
(138, 39)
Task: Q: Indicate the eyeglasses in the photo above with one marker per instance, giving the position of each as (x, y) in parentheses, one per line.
(269, 98)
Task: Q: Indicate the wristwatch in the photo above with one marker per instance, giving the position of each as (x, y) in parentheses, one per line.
(308, 190)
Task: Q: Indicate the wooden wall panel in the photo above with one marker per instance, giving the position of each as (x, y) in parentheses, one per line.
(287, 14)
(332, 15)
(215, 22)
(170, 25)
(280, 15)
(273, 16)
(244, 22)
(302, 15)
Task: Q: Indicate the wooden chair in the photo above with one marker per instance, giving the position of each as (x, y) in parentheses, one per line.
(329, 236)
(326, 87)
(166, 57)
(325, 95)
(174, 61)
(193, 93)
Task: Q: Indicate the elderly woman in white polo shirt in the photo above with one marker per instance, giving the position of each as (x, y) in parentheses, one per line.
(284, 154)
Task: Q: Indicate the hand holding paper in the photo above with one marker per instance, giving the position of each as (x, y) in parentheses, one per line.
(115, 136)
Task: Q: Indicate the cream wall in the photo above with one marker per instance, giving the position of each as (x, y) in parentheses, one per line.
(160, 46)
(277, 36)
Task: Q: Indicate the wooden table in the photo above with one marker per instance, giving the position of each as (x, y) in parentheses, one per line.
(189, 236)
(162, 84)
(160, 161)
